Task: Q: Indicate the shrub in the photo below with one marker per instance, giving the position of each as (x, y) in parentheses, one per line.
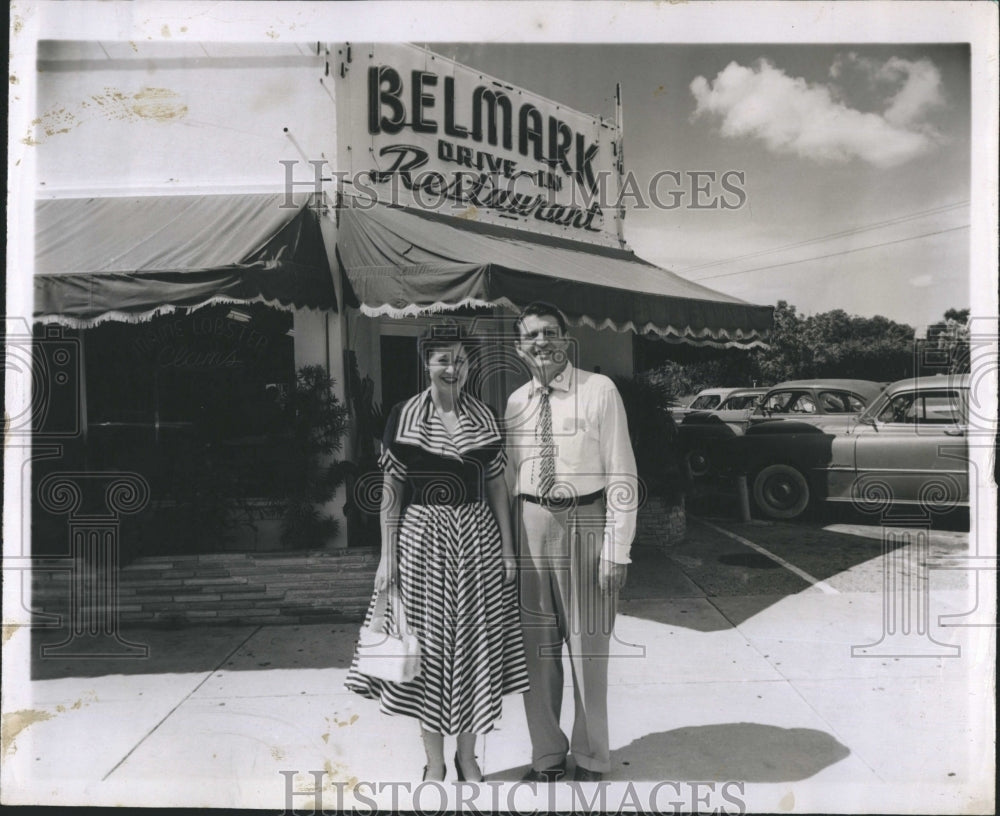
(319, 422)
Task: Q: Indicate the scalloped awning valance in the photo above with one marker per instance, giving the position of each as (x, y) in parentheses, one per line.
(402, 262)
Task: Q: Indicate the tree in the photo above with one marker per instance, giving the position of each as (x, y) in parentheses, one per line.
(829, 344)
(783, 360)
(946, 348)
(843, 345)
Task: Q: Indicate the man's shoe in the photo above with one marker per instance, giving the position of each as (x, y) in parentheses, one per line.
(584, 775)
(553, 774)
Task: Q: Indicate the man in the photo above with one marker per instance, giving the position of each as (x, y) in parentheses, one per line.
(573, 474)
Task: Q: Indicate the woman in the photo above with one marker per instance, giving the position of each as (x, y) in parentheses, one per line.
(445, 500)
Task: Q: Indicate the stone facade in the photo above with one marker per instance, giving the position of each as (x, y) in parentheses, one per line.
(661, 524)
(227, 588)
(243, 588)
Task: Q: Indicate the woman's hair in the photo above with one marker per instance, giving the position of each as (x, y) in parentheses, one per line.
(444, 335)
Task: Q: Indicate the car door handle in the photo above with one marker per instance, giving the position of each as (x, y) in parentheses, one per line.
(954, 432)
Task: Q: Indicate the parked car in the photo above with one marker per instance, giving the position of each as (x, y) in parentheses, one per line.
(809, 399)
(701, 433)
(704, 400)
(907, 447)
(739, 404)
(704, 437)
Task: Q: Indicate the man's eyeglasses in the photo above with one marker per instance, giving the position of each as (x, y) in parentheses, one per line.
(548, 334)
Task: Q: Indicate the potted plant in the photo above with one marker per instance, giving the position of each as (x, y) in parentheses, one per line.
(318, 423)
(367, 428)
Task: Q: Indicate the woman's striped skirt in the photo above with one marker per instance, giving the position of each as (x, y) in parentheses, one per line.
(450, 576)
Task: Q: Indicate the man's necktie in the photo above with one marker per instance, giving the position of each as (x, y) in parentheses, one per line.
(547, 448)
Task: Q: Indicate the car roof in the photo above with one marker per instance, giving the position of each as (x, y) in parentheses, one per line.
(864, 387)
(739, 392)
(713, 391)
(931, 381)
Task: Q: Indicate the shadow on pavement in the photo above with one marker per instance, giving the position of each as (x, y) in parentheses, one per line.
(694, 583)
(720, 500)
(206, 648)
(739, 752)
(747, 752)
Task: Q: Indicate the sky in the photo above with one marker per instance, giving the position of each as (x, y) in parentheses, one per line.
(855, 163)
(854, 157)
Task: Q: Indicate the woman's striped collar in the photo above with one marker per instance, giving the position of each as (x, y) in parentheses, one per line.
(420, 425)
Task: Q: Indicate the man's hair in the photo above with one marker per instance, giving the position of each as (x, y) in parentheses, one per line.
(540, 308)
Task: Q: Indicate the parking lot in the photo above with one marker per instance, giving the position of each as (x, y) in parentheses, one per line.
(767, 654)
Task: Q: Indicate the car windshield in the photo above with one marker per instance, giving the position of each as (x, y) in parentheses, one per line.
(705, 402)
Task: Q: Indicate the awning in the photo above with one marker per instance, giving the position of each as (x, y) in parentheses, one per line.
(131, 258)
(403, 262)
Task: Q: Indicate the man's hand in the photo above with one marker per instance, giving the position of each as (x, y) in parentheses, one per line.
(611, 576)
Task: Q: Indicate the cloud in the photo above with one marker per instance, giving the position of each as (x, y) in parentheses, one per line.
(921, 281)
(921, 90)
(812, 121)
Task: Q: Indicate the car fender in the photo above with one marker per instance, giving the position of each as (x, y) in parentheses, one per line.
(804, 446)
(698, 426)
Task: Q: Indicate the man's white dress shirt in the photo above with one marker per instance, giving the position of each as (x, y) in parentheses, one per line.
(593, 451)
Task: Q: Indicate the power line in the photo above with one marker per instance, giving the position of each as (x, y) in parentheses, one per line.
(843, 233)
(832, 254)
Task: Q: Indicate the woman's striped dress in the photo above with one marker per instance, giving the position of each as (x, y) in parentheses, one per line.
(450, 572)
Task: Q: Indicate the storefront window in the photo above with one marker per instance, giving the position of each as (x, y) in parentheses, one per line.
(183, 387)
(195, 404)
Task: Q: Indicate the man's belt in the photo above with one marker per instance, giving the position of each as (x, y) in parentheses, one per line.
(562, 502)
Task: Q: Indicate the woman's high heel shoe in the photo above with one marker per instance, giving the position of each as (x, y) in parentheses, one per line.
(461, 775)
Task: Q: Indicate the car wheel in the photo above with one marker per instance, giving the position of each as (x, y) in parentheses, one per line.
(698, 462)
(781, 492)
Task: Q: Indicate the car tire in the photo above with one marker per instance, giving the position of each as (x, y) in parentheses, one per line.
(781, 492)
(698, 462)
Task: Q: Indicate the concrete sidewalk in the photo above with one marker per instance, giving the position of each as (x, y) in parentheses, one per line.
(756, 687)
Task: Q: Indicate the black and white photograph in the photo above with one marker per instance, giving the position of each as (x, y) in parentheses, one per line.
(512, 406)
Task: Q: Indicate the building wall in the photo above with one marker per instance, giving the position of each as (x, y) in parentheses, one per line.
(135, 118)
(608, 349)
(156, 118)
(121, 118)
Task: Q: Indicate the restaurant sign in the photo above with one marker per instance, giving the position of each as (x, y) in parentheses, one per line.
(419, 130)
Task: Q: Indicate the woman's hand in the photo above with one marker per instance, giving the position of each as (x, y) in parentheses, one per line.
(509, 569)
(382, 576)
(499, 500)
